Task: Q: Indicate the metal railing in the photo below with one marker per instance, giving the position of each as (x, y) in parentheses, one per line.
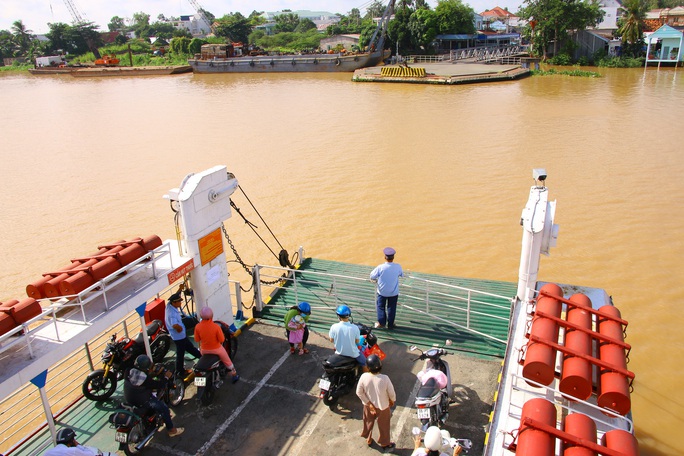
(425, 296)
(485, 53)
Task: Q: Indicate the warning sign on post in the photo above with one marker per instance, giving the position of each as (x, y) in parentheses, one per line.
(210, 246)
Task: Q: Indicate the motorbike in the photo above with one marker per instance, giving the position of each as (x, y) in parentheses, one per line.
(342, 372)
(208, 373)
(119, 356)
(135, 426)
(448, 441)
(432, 401)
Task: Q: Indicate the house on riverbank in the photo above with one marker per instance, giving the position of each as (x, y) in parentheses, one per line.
(664, 47)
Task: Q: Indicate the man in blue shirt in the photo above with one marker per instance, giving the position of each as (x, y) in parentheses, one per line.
(346, 336)
(176, 328)
(387, 277)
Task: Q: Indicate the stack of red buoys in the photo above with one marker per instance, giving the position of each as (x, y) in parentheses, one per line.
(84, 272)
(14, 313)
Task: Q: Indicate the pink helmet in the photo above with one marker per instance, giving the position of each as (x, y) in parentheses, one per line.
(206, 313)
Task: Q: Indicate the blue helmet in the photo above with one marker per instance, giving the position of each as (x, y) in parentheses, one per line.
(304, 307)
(343, 311)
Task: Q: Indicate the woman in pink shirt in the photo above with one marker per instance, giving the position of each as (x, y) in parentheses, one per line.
(209, 336)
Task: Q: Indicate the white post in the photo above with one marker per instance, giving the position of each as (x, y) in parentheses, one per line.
(539, 234)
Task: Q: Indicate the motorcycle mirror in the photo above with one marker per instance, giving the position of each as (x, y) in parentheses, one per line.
(448, 342)
(465, 443)
(413, 348)
(415, 430)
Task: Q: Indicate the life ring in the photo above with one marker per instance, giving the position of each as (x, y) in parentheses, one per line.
(294, 62)
(315, 61)
(251, 63)
(337, 61)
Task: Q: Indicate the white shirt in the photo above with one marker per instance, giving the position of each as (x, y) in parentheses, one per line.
(79, 450)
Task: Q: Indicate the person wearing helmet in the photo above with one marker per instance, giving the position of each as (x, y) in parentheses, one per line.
(346, 336)
(377, 395)
(174, 324)
(209, 335)
(68, 446)
(387, 276)
(303, 309)
(141, 381)
(434, 440)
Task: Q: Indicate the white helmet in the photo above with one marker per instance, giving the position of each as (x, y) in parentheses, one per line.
(433, 438)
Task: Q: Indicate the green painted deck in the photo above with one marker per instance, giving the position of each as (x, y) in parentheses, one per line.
(432, 308)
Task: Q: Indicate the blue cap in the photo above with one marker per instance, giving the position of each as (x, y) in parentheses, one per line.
(389, 251)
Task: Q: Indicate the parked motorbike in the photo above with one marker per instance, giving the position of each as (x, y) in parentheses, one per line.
(119, 356)
(135, 426)
(448, 441)
(432, 401)
(208, 373)
(342, 372)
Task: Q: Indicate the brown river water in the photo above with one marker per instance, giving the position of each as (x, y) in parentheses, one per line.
(345, 169)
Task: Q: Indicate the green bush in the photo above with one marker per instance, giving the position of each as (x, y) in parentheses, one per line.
(560, 59)
(574, 72)
(620, 62)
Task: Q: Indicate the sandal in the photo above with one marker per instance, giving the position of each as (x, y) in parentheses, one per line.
(301, 352)
(305, 350)
(391, 446)
(292, 350)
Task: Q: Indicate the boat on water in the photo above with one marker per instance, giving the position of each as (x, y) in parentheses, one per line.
(559, 349)
(131, 71)
(232, 58)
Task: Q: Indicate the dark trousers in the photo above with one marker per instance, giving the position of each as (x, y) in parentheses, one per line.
(162, 409)
(182, 346)
(304, 339)
(386, 316)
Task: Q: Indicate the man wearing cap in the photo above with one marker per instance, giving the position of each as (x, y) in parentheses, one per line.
(387, 278)
(175, 326)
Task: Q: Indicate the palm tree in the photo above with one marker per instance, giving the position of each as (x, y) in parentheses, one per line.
(22, 36)
(632, 24)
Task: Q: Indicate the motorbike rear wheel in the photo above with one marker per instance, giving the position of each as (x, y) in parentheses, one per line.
(330, 400)
(207, 396)
(97, 387)
(160, 347)
(135, 435)
(177, 393)
(231, 346)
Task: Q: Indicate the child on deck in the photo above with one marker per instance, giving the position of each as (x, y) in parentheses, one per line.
(296, 327)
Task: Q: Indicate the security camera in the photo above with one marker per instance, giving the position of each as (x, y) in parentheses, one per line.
(539, 174)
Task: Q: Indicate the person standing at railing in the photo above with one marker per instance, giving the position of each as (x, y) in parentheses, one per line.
(387, 276)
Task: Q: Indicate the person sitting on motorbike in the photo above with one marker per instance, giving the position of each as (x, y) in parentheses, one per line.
(139, 384)
(209, 336)
(433, 443)
(68, 446)
(346, 336)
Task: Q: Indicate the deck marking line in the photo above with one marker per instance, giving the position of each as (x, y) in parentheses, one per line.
(169, 450)
(286, 388)
(244, 403)
(408, 407)
(303, 438)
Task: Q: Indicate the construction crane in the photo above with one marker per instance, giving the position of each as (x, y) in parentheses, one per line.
(202, 14)
(78, 19)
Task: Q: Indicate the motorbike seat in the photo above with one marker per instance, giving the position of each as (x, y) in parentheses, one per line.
(429, 389)
(151, 329)
(338, 361)
(207, 362)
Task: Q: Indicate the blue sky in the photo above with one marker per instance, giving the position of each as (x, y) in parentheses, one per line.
(37, 13)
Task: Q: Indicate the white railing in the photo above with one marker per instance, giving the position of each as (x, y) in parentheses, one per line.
(425, 296)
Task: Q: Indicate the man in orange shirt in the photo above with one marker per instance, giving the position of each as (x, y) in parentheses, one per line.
(209, 336)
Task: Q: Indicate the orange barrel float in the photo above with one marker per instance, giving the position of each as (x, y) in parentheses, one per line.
(531, 441)
(622, 441)
(151, 242)
(36, 290)
(583, 427)
(81, 280)
(130, 254)
(576, 375)
(613, 386)
(540, 359)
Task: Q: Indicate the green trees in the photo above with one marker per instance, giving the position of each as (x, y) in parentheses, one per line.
(235, 27)
(74, 39)
(22, 36)
(556, 18)
(631, 25)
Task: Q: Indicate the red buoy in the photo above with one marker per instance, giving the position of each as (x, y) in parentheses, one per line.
(613, 386)
(621, 441)
(533, 442)
(576, 374)
(580, 426)
(540, 359)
